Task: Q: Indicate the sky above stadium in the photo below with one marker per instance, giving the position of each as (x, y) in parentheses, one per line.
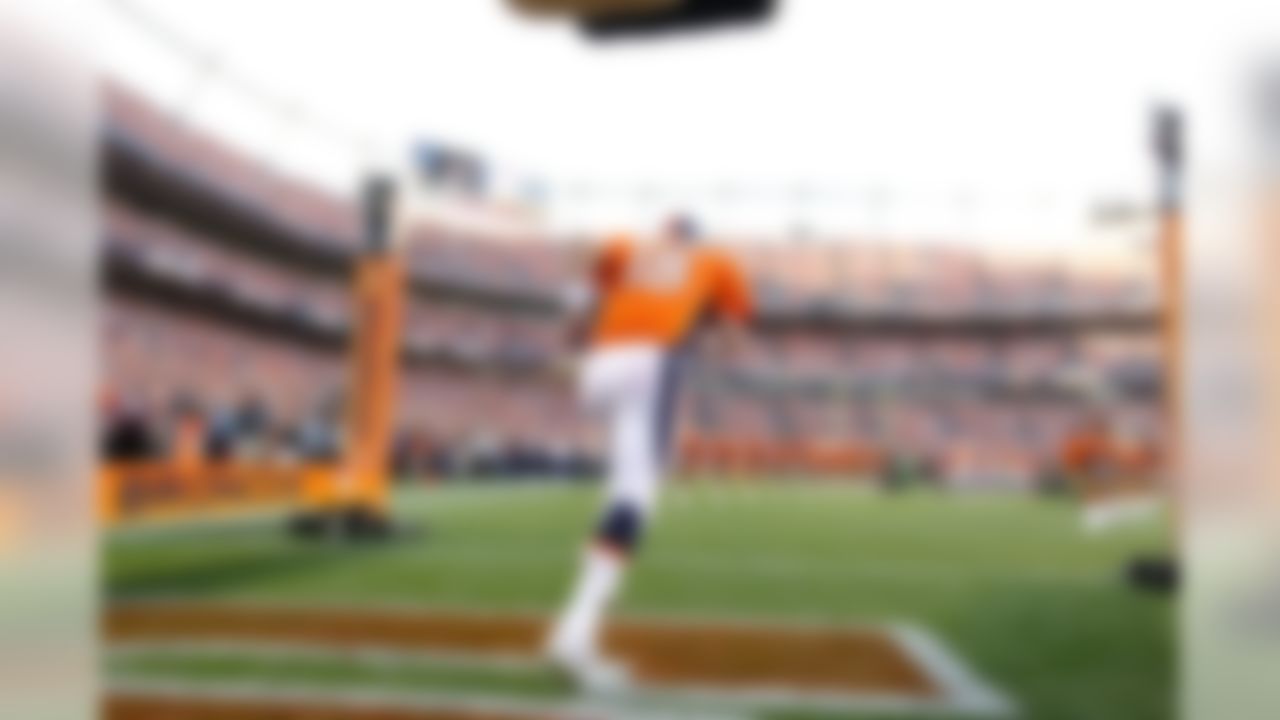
(991, 120)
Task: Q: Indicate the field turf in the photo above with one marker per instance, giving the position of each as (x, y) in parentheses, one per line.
(1010, 583)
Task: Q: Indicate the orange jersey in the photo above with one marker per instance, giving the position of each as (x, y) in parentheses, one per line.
(658, 294)
(1085, 451)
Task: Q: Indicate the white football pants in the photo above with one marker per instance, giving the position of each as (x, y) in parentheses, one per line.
(632, 389)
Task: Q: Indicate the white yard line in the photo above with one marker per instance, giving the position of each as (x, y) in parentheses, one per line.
(366, 700)
(530, 560)
(368, 656)
(965, 688)
(728, 618)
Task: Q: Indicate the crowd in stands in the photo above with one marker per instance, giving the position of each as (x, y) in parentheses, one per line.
(976, 410)
(940, 280)
(258, 398)
(199, 259)
(921, 279)
(145, 127)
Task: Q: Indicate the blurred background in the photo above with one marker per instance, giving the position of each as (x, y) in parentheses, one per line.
(963, 329)
(953, 443)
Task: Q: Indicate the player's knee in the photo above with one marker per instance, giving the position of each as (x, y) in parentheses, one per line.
(621, 527)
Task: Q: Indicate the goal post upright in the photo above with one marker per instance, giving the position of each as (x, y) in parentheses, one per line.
(399, 203)
(352, 499)
(1168, 149)
(378, 311)
(1168, 144)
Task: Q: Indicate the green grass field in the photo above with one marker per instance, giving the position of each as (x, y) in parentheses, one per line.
(1010, 583)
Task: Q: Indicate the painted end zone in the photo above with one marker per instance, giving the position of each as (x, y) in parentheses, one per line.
(711, 664)
(168, 706)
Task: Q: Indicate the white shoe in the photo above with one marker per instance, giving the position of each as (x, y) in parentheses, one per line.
(590, 671)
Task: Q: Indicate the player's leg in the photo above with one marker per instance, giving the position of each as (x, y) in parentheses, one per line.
(626, 388)
(627, 500)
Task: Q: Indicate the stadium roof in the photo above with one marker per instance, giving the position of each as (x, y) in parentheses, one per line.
(1000, 120)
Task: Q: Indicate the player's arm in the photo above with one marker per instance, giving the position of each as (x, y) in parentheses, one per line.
(597, 270)
(735, 308)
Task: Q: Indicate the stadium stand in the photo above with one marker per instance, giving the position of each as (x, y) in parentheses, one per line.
(228, 289)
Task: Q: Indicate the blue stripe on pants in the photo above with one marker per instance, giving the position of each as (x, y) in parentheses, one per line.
(673, 364)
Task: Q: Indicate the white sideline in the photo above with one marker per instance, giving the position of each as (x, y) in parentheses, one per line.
(829, 572)
(1109, 514)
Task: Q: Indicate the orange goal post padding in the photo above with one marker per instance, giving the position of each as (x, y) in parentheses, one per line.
(132, 491)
